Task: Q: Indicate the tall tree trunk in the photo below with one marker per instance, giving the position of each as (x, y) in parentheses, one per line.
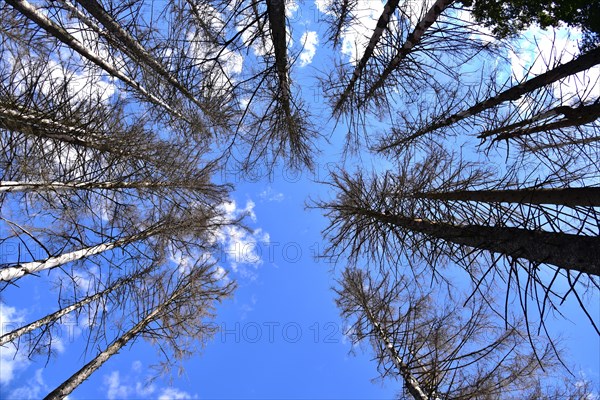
(413, 39)
(277, 25)
(572, 197)
(572, 117)
(15, 272)
(12, 186)
(412, 384)
(572, 252)
(55, 316)
(34, 123)
(80, 376)
(388, 10)
(581, 63)
(134, 49)
(61, 34)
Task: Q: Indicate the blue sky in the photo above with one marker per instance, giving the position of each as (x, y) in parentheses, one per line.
(281, 334)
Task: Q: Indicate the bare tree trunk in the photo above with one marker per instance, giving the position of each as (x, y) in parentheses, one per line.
(411, 41)
(277, 24)
(572, 197)
(412, 385)
(15, 272)
(33, 123)
(573, 117)
(80, 376)
(61, 34)
(575, 66)
(388, 11)
(12, 186)
(55, 316)
(573, 252)
(134, 49)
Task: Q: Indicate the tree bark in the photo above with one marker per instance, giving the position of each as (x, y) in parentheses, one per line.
(61, 34)
(411, 41)
(55, 316)
(572, 197)
(12, 186)
(80, 376)
(15, 272)
(134, 49)
(572, 252)
(581, 63)
(30, 122)
(277, 25)
(412, 384)
(388, 10)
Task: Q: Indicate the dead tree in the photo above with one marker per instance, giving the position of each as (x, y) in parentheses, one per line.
(402, 139)
(441, 211)
(435, 347)
(173, 313)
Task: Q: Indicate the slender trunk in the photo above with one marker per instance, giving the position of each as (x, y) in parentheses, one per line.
(55, 316)
(388, 11)
(80, 376)
(61, 34)
(573, 117)
(574, 142)
(15, 272)
(575, 66)
(20, 119)
(411, 41)
(33, 123)
(580, 113)
(412, 384)
(571, 197)
(12, 186)
(573, 252)
(134, 49)
(276, 13)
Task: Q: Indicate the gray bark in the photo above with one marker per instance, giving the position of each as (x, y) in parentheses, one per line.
(134, 49)
(12, 186)
(571, 252)
(411, 41)
(388, 11)
(61, 34)
(277, 24)
(55, 316)
(572, 197)
(412, 384)
(12, 273)
(581, 63)
(80, 376)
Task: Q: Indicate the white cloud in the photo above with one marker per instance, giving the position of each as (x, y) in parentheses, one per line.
(270, 195)
(309, 40)
(11, 360)
(131, 386)
(175, 394)
(323, 5)
(290, 8)
(541, 48)
(354, 39)
(35, 388)
(114, 388)
(239, 246)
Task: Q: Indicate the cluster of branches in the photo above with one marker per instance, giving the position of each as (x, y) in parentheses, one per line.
(107, 189)
(529, 227)
(415, 47)
(189, 72)
(413, 228)
(439, 350)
